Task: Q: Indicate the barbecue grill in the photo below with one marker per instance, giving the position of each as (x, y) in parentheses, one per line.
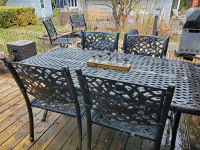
(190, 39)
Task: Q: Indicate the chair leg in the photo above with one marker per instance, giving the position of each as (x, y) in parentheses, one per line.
(89, 129)
(175, 124)
(44, 115)
(31, 124)
(80, 132)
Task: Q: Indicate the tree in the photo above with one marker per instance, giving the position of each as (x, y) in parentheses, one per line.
(185, 4)
(3, 2)
(121, 9)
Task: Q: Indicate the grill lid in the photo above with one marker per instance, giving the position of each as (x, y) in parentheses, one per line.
(193, 18)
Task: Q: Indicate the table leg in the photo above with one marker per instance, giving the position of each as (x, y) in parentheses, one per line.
(175, 124)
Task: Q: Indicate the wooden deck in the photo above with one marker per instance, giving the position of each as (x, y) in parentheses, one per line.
(57, 132)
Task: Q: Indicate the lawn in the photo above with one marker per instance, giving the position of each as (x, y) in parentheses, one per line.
(31, 33)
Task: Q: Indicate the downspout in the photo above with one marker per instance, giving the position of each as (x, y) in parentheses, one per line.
(179, 1)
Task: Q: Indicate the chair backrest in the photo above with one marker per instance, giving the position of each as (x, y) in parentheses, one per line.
(126, 102)
(50, 86)
(145, 45)
(77, 21)
(50, 29)
(96, 40)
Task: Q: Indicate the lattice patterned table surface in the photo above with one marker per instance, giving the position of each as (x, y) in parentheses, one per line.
(144, 70)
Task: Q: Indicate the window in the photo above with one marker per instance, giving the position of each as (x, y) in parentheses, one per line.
(72, 3)
(42, 3)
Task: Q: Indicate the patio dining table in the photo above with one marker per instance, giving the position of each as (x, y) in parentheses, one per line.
(144, 70)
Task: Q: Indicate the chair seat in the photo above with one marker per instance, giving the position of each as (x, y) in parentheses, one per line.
(64, 41)
(67, 109)
(148, 132)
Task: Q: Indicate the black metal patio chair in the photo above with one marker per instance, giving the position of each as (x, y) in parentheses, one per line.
(52, 33)
(97, 40)
(126, 107)
(145, 45)
(53, 90)
(78, 21)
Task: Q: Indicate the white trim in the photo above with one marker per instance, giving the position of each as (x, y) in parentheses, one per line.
(42, 4)
(73, 4)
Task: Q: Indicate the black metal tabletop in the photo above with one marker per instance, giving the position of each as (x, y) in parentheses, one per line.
(145, 70)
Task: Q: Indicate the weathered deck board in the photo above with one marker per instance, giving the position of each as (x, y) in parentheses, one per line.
(147, 145)
(12, 118)
(5, 87)
(133, 143)
(21, 133)
(39, 130)
(11, 110)
(119, 141)
(13, 100)
(3, 80)
(6, 95)
(15, 127)
(96, 131)
(49, 135)
(63, 135)
(105, 139)
(72, 142)
(57, 132)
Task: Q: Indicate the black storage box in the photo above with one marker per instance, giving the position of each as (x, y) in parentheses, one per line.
(22, 49)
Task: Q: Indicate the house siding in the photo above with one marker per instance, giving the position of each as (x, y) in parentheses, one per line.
(18, 3)
(48, 10)
(37, 5)
(41, 12)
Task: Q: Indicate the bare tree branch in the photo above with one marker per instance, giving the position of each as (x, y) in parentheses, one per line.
(121, 10)
(108, 5)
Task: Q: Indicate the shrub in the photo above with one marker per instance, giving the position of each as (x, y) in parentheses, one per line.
(17, 16)
(185, 4)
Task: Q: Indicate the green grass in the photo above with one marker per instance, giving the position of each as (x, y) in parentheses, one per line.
(31, 33)
(175, 39)
(172, 40)
(121, 37)
(55, 12)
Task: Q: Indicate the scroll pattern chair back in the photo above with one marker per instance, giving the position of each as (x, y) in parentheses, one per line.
(77, 21)
(94, 40)
(132, 108)
(50, 29)
(48, 86)
(145, 45)
(53, 90)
